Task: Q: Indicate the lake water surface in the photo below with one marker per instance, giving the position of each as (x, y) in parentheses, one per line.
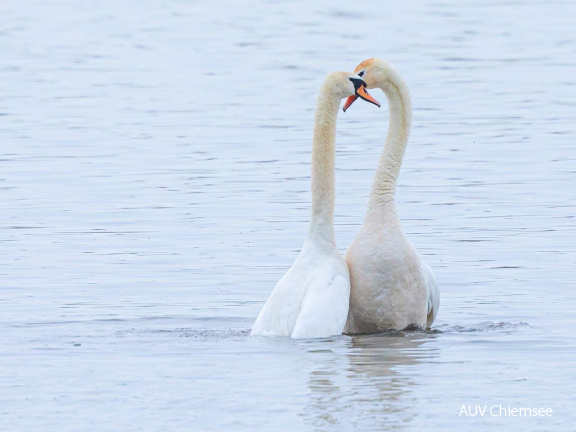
(154, 175)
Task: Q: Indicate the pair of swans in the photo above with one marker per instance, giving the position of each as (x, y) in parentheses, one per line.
(381, 283)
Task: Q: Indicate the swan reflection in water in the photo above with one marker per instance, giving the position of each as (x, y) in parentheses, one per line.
(361, 381)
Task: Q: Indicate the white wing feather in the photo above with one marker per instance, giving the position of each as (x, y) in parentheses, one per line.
(311, 300)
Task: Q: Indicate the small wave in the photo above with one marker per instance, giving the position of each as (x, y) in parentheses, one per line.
(191, 333)
(486, 326)
(215, 333)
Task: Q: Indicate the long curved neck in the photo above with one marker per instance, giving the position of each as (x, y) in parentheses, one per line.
(382, 199)
(323, 155)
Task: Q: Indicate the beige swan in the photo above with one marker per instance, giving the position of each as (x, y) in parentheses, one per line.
(311, 300)
(391, 287)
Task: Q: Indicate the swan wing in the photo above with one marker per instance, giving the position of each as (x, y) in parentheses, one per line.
(324, 309)
(433, 295)
(282, 308)
(279, 314)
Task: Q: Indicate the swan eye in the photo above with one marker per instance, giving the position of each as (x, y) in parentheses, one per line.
(361, 74)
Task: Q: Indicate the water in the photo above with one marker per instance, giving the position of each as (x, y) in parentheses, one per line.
(154, 174)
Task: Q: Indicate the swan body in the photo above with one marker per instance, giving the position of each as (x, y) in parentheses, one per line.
(391, 287)
(312, 298)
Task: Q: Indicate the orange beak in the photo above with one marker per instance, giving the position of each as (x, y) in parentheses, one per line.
(362, 93)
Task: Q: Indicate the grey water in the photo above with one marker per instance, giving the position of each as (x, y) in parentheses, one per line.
(154, 181)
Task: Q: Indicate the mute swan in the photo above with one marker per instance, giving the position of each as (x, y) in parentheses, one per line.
(391, 287)
(311, 300)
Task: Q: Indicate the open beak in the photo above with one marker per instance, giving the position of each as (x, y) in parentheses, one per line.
(349, 102)
(362, 93)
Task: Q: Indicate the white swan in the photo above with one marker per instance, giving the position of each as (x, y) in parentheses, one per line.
(391, 287)
(311, 300)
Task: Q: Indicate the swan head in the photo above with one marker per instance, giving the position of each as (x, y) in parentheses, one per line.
(374, 72)
(344, 84)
